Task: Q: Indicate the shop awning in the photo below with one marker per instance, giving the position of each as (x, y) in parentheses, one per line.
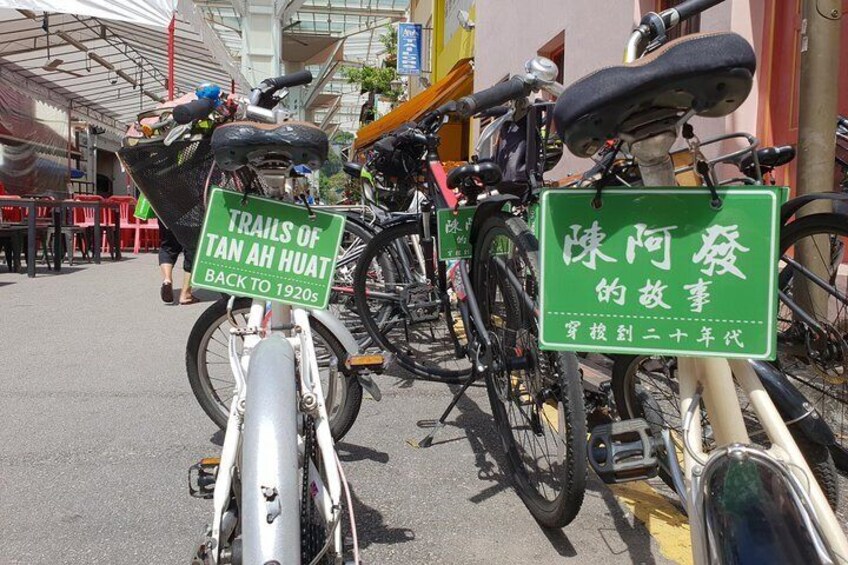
(146, 12)
(458, 82)
(105, 71)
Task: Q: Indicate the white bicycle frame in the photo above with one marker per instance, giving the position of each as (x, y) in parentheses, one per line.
(711, 380)
(327, 496)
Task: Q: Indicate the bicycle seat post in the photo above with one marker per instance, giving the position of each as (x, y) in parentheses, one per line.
(653, 158)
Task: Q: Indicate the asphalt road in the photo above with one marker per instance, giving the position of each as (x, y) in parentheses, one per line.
(99, 427)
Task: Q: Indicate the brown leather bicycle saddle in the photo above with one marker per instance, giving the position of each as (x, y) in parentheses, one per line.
(238, 144)
(709, 73)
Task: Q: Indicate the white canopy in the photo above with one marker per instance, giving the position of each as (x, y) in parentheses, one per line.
(106, 71)
(150, 12)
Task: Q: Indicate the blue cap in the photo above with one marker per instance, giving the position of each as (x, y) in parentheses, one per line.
(208, 90)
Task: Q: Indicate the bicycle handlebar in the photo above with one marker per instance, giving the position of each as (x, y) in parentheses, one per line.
(287, 81)
(501, 93)
(689, 8)
(194, 110)
(653, 26)
(263, 95)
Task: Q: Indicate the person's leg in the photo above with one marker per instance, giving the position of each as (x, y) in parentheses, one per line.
(169, 250)
(186, 296)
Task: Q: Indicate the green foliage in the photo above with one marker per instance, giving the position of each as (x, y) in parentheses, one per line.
(378, 79)
(374, 79)
(332, 165)
(332, 187)
(343, 138)
(389, 40)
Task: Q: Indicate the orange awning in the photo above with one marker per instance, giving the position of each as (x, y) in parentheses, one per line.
(457, 83)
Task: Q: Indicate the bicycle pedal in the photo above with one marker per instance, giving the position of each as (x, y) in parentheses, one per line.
(202, 477)
(624, 451)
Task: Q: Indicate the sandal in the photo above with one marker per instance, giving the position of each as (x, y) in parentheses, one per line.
(167, 292)
(192, 300)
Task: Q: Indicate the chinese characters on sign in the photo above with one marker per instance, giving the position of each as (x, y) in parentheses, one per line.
(454, 233)
(660, 271)
(409, 49)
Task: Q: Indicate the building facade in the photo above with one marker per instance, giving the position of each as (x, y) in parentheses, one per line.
(584, 36)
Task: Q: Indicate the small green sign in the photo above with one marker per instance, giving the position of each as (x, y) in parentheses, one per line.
(659, 271)
(533, 218)
(267, 249)
(455, 232)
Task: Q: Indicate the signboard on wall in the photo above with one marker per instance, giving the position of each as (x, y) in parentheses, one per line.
(409, 49)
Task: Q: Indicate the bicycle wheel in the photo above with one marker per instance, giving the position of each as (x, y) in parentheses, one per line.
(354, 241)
(818, 366)
(536, 396)
(646, 387)
(211, 379)
(401, 310)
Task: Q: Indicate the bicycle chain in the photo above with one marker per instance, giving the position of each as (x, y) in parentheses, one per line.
(313, 535)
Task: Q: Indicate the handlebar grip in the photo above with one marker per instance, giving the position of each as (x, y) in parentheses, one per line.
(689, 8)
(194, 110)
(495, 112)
(842, 122)
(501, 93)
(293, 79)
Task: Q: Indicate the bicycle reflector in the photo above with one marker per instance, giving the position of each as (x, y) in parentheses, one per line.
(373, 362)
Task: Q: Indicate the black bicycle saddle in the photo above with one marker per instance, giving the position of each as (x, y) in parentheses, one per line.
(487, 172)
(709, 73)
(238, 144)
(353, 170)
(768, 157)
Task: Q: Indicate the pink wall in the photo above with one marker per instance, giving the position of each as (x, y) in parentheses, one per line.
(509, 32)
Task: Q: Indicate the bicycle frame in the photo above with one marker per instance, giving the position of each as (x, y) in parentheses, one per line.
(326, 496)
(711, 380)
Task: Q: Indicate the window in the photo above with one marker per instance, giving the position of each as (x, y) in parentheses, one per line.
(555, 51)
(692, 25)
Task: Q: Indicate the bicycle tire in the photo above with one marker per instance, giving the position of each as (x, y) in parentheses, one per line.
(629, 406)
(831, 400)
(217, 408)
(355, 240)
(550, 384)
(415, 355)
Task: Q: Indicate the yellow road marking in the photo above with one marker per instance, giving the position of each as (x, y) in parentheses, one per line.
(666, 524)
(549, 409)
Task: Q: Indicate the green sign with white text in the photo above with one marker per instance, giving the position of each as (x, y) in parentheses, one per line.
(659, 271)
(455, 232)
(267, 249)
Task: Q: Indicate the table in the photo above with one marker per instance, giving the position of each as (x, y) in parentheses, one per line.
(59, 208)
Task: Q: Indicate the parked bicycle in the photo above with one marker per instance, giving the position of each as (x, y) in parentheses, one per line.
(647, 102)
(278, 489)
(172, 160)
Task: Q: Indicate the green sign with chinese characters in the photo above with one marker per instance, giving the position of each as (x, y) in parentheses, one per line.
(659, 271)
(267, 249)
(455, 232)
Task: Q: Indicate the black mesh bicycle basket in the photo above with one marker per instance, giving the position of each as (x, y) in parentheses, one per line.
(173, 178)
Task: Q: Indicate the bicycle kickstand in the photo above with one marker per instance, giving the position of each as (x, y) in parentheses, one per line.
(428, 440)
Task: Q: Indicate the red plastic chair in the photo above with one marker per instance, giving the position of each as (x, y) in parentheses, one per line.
(126, 206)
(11, 214)
(84, 217)
(150, 229)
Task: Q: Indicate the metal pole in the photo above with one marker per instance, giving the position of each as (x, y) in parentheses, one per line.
(820, 28)
(171, 34)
